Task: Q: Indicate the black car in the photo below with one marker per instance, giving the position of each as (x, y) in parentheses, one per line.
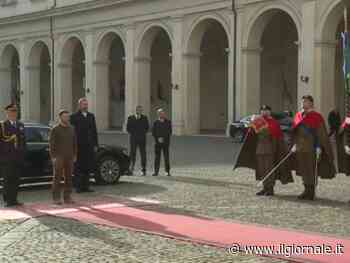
(239, 128)
(111, 161)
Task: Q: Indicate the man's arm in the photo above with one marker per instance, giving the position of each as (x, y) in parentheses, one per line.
(52, 143)
(94, 127)
(147, 124)
(75, 146)
(170, 128)
(128, 125)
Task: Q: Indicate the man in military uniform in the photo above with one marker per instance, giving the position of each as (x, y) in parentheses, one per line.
(12, 148)
(265, 141)
(312, 148)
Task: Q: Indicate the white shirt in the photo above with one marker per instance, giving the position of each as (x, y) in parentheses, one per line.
(84, 113)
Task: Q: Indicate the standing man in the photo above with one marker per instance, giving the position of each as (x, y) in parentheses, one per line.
(63, 152)
(12, 148)
(86, 131)
(265, 142)
(137, 127)
(314, 156)
(334, 122)
(161, 131)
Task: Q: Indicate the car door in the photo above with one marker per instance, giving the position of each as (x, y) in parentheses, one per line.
(37, 161)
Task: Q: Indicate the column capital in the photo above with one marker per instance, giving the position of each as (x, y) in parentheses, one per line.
(252, 49)
(32, 67)
(130, 26)
(326, 43)
(143, 59)
(176, 18)
(64, 65)
(192, 54)
(101, 62)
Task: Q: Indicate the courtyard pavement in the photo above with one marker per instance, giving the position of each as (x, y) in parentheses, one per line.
(202, 184)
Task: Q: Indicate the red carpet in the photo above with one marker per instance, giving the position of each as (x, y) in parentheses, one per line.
(172, 223)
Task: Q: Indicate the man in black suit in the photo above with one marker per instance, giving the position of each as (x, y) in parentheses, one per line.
(137, 127)
(161, 132)
(84, 124)
(12, 148)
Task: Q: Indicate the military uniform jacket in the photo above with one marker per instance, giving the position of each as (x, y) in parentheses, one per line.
(12, 142)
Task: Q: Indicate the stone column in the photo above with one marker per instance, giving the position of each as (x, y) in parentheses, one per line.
(5, 90)
(143, 86)
(90, 76)
(34, 92)
(308, 52)
(178, 91)
(130, 76)
(24, 80)
(325, 76)
(101, 94)
(251, 84)
(192, 93)
(63, 92)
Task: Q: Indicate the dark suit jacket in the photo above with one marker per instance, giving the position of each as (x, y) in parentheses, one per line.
(85, 129)
(162, 130)
(137, 128)
(8, 151)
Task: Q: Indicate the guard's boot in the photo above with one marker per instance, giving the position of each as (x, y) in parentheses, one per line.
(269, 191)
(262, 192)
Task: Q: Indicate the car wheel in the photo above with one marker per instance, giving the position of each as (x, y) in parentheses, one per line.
(108, 170)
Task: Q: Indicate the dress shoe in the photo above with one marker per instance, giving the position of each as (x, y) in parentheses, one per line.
(69, 201)
(168, 174)
(262, 192)
(308, 194)
(155, 174)
(57, 202)
(144, 174)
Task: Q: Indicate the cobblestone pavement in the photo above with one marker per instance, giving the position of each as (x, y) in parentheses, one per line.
(200, 188)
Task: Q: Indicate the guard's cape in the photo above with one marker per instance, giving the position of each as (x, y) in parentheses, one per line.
(314, 122)
(247, 155)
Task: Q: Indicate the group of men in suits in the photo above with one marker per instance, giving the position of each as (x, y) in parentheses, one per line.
(138, 127)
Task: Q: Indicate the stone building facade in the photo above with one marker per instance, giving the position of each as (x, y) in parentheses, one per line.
(202, 62)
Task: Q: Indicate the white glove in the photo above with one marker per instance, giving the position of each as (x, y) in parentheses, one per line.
(294, 148)
(347, 120)
(160, 140)
(318, 152)
(347, 149)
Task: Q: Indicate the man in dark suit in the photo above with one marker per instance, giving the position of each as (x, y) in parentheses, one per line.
(161, 131)
(12, 148)
(334, 122)
(84, 124)
(138, 126)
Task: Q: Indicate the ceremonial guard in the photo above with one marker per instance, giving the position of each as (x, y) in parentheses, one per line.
(264, 141)
(12, 150)
(314, 156)
(137, 127)
(86, 132)
(344, 147)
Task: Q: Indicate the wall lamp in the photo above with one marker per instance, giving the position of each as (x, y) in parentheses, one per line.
(304, 79)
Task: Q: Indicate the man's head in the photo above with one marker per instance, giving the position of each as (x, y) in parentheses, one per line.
(11, 112)
(64, 117)
(265, 110)
(139, 109)
(308, 102)
(83, 104)
(161, 114)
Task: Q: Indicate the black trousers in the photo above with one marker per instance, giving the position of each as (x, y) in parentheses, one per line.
(141, 145)
(83, 167)
(10, 172)
(158, 149)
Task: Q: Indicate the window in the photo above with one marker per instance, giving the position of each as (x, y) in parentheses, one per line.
(37, 134)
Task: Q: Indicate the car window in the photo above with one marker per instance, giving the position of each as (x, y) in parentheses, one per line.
(37, 134)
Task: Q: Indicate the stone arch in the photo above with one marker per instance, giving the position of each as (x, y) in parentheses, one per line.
(71, 69)
(39, 73)
(110, 81)
(270, 56)
(10, 90)
(197, 30)
(207, 59)
(154, 69)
